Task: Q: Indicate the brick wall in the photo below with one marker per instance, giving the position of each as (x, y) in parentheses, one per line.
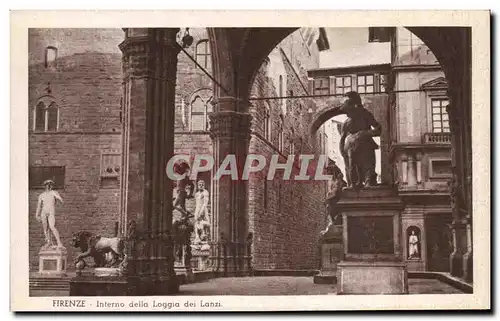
(86, 84)
(285, 216)
(86, 206)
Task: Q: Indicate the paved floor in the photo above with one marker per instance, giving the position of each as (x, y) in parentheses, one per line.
(293, 286)
(278, 285)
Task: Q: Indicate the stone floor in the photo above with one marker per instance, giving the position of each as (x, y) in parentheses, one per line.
(293, 286)
(279, 285)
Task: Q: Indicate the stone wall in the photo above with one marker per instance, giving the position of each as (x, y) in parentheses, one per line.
(85, 83)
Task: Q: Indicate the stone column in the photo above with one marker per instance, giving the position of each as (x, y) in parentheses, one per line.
(149, 67)
(460, 225)
(230, 132)
(404, 169)
(412, 173)
(419, 168)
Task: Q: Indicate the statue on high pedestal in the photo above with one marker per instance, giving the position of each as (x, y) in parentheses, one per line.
(356, 143)
(46, 211)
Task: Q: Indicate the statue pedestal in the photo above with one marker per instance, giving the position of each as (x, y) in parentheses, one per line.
(200, 256)
(372, 261)
(183, 268)
(331, 254)
(373, 278)
(52, 261)
(107, 272)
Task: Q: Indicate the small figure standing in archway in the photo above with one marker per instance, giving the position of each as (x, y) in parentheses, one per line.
(413, 252)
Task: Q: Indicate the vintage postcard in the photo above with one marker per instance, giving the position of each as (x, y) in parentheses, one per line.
(250, 161)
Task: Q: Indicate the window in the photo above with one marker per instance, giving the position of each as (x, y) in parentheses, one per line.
(439, 168)
(321, 86)
(203, 53)
(39, 174)
(50, 56)
(379, 34)
(200, 107)
(281, 88)
(46, 116)
(383, 83)
(281, 134)
(440, 121)
(365, 84)
(291, 150)
(267, 123)
(342, 85)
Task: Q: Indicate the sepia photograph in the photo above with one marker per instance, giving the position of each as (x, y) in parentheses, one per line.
(263, 161)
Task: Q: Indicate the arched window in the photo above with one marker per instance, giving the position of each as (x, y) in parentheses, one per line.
(281, 134)
(267, 123)
(201, 106)
(46, 115)
(203, 53)
(50, 56)
(281, 89)
(39, 117)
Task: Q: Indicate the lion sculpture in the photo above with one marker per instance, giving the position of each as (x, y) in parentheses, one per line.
(106, 251)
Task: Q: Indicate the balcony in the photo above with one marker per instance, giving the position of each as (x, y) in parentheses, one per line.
(437, 138)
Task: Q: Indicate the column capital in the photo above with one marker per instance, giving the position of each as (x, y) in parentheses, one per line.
(227, 124)
(229, 103)
(141, 43)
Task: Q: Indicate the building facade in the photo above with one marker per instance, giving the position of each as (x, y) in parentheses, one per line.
(405, 89)
(76, 103)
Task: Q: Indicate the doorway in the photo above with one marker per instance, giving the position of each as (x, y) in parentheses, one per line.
(439, 242)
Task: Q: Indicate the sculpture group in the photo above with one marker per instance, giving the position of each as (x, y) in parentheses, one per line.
(356, 143)
(358, 150)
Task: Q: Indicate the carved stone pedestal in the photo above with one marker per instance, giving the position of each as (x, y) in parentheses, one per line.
(200, 256)
(52, 261)
(373, 278)
(331, 254)
(372, 243)
(107, 272)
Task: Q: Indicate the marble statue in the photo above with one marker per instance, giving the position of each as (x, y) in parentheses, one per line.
(46, 211)
(201, 217)
(413, 252)
(356, 143)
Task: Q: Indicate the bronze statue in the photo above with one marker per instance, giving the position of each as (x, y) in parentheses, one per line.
(335, 187)
(356, 143)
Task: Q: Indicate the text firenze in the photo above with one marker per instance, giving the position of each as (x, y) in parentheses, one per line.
(303, 167)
